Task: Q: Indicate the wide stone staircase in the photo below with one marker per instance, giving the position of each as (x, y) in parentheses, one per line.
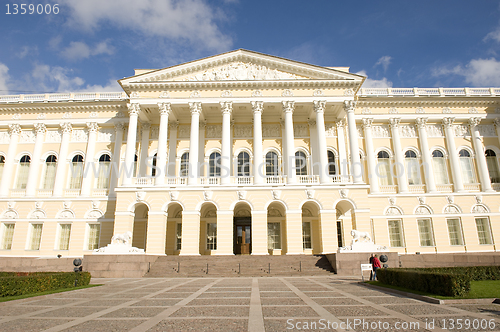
(239, 265)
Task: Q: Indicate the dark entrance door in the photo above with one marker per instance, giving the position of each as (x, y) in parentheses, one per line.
(242, 239)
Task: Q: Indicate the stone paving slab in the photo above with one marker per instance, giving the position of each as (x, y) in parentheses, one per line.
(234, 304)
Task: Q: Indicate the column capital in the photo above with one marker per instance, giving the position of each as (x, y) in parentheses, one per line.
(257, 106)
(340, 123)
(173, 124)
(40, 128)
(474, 122)
(226, 107)
(311, 123)
(119, 126)
(367, 122)
(14, 129)
(319, 106)
(195, 107)
(394, 122)
(448, 122)
(66, 127)
(146, 126)
(349, 106)
(288, 106)
(421, 122)
(165, 108)
(93, 127)
(133, 108)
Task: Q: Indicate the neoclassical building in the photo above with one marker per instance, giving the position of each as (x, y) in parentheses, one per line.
(247, 153)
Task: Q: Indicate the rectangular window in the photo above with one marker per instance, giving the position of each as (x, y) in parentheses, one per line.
(439, 170)
(22, 177)
(35, 236)
(274, 235)
(211, 236)
(306, 235)
(178, 236)
(64, 233)
(50, 174)
(455, 232)
(384, 170)
(483, 230)
(395, 233)
(467, 170)
(7, 235)
(412, 171)
(103, 179)
(93, 237)
(425, 231)
(76, 173)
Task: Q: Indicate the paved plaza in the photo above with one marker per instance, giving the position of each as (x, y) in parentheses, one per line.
(238, 304)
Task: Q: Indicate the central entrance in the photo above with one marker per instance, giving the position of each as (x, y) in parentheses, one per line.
(242, 239)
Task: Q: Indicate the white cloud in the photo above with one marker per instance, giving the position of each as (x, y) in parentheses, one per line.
(26, 50)
(112, 86)
(187, 20)
(4, 78)
(494, 35)
(478, 72)
(52, 79)
(371, 83)
(80, 50)
(384, 61)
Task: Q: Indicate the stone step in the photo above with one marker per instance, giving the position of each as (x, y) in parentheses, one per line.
(226, 266)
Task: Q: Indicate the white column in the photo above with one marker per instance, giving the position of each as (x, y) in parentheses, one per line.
(195, 108)
(172, 148)
(8, 168)
(89, 159)
(61, 160)
(133, 111)
(226, 109)
(319, 108)
(355, 168)
(458, 184)
(115, 166)
(288, 108)
(343, 162)
(161, 158)
(143, 159)
(34, 170)
(313, 143)
(370, 156)
(284, 162)
(484, 175)
(399, 168)
(258, 158)
(497, 126)
(201, 152)
(430, 183)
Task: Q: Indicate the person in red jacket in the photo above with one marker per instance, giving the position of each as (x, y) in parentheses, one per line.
(376, 265)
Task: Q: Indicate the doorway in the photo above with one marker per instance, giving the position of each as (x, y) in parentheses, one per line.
(242, 239)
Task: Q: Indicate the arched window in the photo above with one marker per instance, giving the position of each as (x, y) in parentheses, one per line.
(332, 167)
(214, 165)
(50, 172)
(492, 162)
(384, 168)
(271, 164)
(184, 170)
(22, 175)
(104, 165)
(300, 163)
(76, 172)
(466, 166)
(439, 167)
(243, 164)
(2, 164)
(153, 162)
(412, 167)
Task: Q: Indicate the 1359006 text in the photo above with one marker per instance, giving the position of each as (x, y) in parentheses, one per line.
(31, 9)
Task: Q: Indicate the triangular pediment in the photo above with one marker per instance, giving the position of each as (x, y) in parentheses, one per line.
(241, 65)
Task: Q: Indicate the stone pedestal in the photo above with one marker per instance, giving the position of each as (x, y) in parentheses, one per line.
(349, 264)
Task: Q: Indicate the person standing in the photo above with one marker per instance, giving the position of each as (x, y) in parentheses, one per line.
(376, 265)
(371, 272)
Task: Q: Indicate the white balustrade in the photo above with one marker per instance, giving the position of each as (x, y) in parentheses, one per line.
(144, 181)
(72, 192)
(210, 181)
(496, 186)
(308, 179)
(417, 188)
(472, 186)
(388, 189)
(44, 192)
(18, 192)
(444, 188)
(243, 180)
(274, 180)
(54, 97)
(100, 192)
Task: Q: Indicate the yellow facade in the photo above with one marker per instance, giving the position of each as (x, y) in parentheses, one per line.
(451, 206)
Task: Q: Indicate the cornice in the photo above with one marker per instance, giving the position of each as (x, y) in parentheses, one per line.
(417, 102)
(62, 108)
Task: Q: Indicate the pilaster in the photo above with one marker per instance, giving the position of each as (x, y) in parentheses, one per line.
(225, 233)
(430, 184)
(452, 152)
(259, 233)
(190, 233)
(34, 169)
(156, 233)
(328, 231)
(143, 165)
(62, 161)
(88, 178)
(294, 233)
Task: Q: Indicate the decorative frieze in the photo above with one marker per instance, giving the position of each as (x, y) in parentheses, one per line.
(381, 131)
(154, 132)
(79, 135)
(407, 131)
(184, 131)
(271, 130)
(213, 131)
(435, 130)
(330, 130)
(461, 130)
(300, 130)
(106, 135)
(53, 136)
(243, 131)
(27, 136)
(4, 137)
(487, 130)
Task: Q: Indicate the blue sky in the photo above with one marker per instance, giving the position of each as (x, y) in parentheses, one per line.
(92, 43)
